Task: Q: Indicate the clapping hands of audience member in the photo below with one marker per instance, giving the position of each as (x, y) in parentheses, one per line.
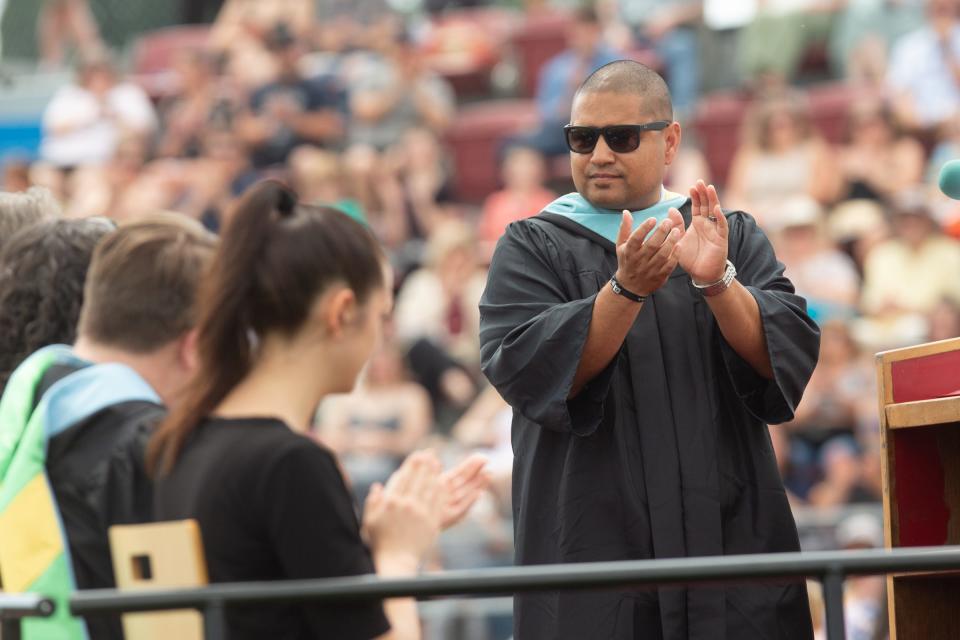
(462, 485)
(403, 518)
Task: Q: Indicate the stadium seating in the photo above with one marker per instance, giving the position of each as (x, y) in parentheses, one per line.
(465, 45)
(475, 140)
(720, 115)
(153, 55)
(540, 37)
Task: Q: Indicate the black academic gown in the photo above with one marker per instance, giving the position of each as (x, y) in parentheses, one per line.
(664, 454)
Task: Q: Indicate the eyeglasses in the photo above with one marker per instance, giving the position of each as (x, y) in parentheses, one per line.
(621, 138)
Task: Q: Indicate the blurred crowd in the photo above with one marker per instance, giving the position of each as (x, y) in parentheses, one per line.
(352, 103)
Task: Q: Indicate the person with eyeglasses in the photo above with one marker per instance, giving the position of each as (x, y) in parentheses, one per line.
(644, 340)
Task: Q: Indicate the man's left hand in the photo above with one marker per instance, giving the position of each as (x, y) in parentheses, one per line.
(703, 250)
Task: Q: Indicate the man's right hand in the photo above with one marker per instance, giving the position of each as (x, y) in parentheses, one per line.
(644, 264)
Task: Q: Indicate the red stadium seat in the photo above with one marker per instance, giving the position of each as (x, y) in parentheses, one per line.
(475, 140)
(154, 51)
(717, 123)
(647, 57)
(464, 46)
(539, 38)
(830, 106)
(719, 117)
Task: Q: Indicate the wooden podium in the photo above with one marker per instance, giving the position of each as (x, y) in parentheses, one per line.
(919, 390)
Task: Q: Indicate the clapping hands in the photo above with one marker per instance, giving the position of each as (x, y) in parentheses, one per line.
(702, 252)
(648, 255)
(404, 517)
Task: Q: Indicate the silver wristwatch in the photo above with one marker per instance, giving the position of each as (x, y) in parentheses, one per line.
(720, 285)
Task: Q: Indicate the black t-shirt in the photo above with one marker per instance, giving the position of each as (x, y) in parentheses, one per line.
(301, 95)
(271, 505)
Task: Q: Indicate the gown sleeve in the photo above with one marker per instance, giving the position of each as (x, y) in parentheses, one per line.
(793, 338)
(532, 332)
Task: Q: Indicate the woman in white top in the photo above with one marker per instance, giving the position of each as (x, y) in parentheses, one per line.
(85, 121)
(781, 156)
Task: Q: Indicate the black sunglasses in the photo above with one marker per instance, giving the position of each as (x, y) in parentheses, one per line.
(621, 138)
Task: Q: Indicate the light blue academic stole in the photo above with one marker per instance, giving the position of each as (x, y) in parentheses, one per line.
(606, 222)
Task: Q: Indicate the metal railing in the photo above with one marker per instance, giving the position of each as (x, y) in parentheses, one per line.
(831, 568)
(15, 606)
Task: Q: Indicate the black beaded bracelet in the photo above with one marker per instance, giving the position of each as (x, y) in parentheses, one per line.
(620, 291)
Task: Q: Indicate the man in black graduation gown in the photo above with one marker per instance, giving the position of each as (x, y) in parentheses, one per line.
(643, 355)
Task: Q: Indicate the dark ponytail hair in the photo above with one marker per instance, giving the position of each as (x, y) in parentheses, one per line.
(275, 257)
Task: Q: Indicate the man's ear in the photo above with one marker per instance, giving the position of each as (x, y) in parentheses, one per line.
(187, 350)
(671, 138)
(338, 312)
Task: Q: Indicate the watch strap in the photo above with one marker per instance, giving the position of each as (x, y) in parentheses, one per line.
(721, 285)
(626, 293)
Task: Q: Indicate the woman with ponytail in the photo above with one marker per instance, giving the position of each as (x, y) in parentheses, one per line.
(290, 312)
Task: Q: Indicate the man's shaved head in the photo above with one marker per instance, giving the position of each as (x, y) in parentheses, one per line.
(630, 77)
(623, 92)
